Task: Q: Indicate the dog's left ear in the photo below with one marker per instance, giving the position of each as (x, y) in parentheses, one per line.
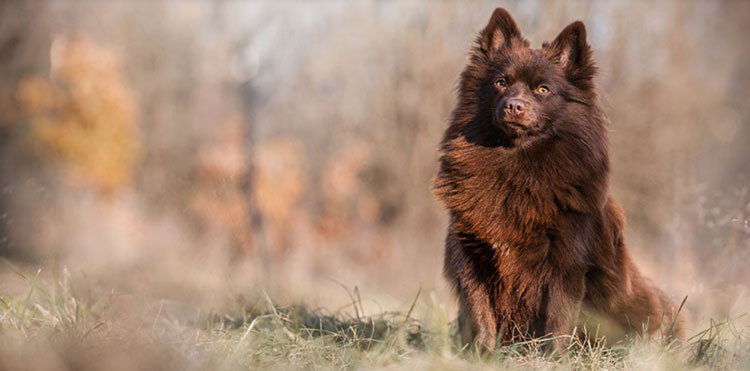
(573, 53)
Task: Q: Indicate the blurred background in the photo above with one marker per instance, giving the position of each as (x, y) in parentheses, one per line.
(194, 150)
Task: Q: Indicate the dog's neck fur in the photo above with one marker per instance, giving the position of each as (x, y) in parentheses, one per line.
(500, 194)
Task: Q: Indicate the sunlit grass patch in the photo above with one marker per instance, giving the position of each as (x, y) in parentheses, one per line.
(49, 326)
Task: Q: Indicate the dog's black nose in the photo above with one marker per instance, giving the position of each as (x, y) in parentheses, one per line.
(515, 106)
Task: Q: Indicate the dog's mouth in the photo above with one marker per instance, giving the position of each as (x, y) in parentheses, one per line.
(515, 130)
(513, 127)
(510, 123)
(514, 124)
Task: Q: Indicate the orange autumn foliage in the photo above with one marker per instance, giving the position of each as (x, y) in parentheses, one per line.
(84, 118)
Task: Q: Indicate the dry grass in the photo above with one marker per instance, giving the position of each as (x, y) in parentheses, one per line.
(54, 326)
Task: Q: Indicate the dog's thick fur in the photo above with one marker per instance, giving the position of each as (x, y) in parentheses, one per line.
(534, 235)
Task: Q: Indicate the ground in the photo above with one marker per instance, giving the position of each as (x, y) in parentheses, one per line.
(53, 325)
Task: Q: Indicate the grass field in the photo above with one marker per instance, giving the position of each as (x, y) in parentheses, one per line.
(52, 325)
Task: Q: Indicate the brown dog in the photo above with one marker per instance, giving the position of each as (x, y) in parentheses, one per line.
(524, 172)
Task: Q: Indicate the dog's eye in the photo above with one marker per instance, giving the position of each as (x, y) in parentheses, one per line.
(501, 83)
(542, 89)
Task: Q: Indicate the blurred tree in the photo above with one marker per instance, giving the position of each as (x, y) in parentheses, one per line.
(84, 117)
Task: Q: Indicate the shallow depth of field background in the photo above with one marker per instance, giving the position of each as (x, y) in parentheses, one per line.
(192, 152)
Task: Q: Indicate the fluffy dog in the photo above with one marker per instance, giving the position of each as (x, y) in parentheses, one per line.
(524, 168)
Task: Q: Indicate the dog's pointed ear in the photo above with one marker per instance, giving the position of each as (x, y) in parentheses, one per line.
(499, 33)
(573, 53)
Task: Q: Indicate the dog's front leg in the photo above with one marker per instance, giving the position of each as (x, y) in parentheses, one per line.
(565, 296)
(476, 319)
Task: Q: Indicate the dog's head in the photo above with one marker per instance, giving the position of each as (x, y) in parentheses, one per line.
(526, 92)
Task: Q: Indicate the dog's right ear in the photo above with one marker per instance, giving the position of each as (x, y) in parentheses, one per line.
(499, 33)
